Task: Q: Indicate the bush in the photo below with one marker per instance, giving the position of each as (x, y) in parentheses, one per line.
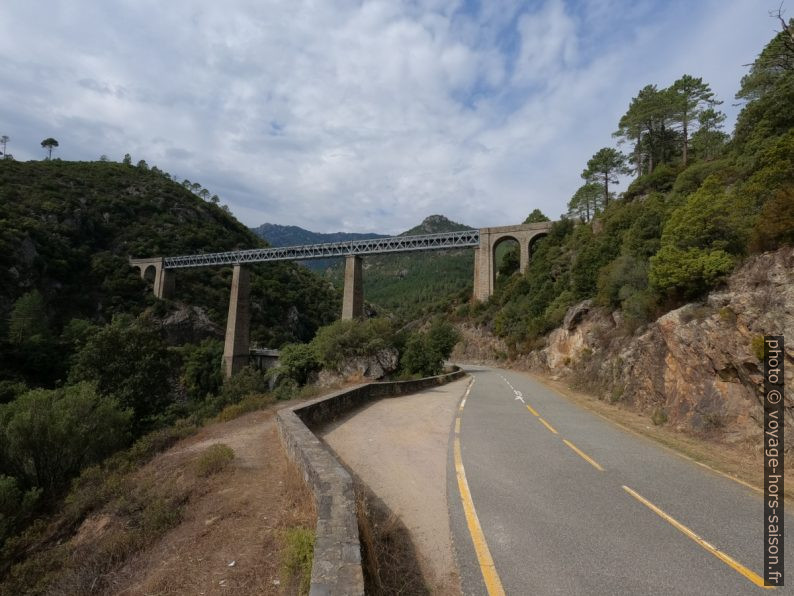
(48, 436)
(202, 372)
(341, 341)
(128, 359)
(420, 357)
(660, 180)
(214, 459)
(442, 337)
(298, 362)
(249, 381)
(16, 505)
(689, 273)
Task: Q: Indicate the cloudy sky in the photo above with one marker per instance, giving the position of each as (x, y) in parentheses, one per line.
(359, 115)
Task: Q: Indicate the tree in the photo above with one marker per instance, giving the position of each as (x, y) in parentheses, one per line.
(4, 141)
(127, 161)
(586, 201)
(536, 217)
(646, 124)
(605, 167)
(691, 96)
(49, 144)
(142, 165)
(709, 140)
(48, 436)
(129, 360)
(28, 318)
(104, 158)
(215, 199)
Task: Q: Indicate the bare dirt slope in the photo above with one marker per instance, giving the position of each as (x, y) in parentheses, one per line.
(230, 539)
(398, 447)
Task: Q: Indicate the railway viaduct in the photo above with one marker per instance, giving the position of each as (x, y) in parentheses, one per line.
(162, 270)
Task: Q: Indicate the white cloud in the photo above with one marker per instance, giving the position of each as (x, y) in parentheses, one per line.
(357, 115)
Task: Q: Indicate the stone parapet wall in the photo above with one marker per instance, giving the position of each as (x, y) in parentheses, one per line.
(337, 550)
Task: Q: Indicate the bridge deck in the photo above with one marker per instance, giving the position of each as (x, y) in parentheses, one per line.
(374, 246)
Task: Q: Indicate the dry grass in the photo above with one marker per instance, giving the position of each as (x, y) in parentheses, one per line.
(165, 529)
(389, 559)
(214, 459)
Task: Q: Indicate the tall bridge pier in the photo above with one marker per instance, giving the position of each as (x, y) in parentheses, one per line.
(160, 271)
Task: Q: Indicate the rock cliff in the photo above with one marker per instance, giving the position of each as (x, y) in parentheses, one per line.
(698, 367)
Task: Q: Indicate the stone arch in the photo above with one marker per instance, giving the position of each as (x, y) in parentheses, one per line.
(484, 255)
(154, 271)
(149, 273)
(496, 243)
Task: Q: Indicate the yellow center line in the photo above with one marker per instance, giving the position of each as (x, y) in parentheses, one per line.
(583, 455)
(489, 575)
(547, 425)
(754, 578)
(531, 409)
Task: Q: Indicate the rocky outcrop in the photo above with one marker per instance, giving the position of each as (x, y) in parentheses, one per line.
(372, 368)
(699, 366)
(188, 324)
(478, 346)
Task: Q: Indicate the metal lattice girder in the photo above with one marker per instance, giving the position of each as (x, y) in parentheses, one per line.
(374, 246)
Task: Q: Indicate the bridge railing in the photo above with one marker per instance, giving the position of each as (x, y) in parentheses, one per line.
(373, 246)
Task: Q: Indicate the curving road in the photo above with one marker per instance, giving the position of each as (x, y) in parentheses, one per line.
(556, 500)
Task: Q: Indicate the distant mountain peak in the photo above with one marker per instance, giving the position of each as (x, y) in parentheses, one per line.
(435, 224)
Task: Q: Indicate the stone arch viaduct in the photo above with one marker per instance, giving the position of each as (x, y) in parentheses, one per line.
(161, 271)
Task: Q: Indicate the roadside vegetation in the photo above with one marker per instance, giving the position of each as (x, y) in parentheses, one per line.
(701, 201)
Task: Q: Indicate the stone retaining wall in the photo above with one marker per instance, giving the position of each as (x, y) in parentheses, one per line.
(337, 551)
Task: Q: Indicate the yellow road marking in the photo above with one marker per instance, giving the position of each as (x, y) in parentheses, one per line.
(547, 425)
(583, 455)
(531, 409)
(489, 575)
(756, 579)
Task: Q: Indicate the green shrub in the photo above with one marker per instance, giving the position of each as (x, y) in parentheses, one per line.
(338, 342)
(689, 273)
(298, 557)
(246, 382)
(298, 362)
(16, 505)
(421, 358)
(128, 359)
(48, 436)
(202, 372)
(660, 180)
(214, 459)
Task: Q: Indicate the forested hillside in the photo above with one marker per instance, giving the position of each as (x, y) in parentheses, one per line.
(414, 285)
(67, 230)
(701, 201)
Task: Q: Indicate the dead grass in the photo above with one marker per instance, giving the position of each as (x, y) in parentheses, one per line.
(389, 558)
(162, 528)
(214, 459)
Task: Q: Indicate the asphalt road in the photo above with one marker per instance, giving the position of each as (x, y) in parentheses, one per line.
(554, 523)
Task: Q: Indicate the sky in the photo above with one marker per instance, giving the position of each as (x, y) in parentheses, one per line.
(360, 116)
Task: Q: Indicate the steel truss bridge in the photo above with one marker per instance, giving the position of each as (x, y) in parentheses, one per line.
(374, 246)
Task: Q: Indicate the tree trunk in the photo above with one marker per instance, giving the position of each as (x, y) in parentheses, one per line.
(686, 139)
